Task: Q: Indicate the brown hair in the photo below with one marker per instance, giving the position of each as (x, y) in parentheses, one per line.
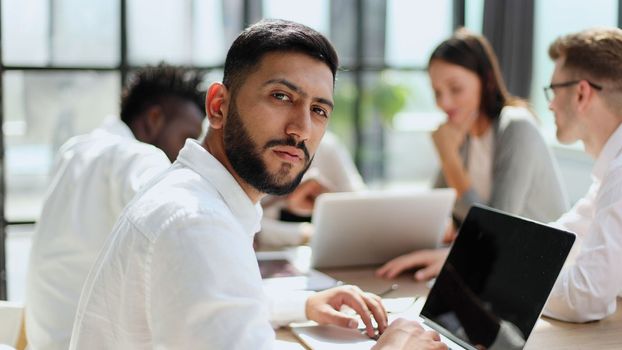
(594, 54)
(473, 52)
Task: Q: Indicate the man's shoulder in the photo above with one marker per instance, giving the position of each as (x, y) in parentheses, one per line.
(177, 197)
(98, 145)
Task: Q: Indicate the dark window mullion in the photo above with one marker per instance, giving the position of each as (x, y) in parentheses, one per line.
(459, 13)
(123, 63)
(3, 275)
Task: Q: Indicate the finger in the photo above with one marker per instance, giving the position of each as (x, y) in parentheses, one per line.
(432, 335)
(353, 299)
(383, 270)
(328, 315)
(412, 260)
(384, 309)
(427, 273)
(377, 309)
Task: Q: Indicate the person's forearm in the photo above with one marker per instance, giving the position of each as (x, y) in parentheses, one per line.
(455, 173)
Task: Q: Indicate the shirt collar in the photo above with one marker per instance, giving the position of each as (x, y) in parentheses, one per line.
(612, 149)
(197, 158)
(116, 126)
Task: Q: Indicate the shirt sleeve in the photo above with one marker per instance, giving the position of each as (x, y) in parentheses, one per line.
(587, 290)
(334, 165)
(579, 218)
(287, 306)
(205, 288)
(275, 232)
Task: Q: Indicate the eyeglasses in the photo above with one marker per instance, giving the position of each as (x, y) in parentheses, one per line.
(549, 91)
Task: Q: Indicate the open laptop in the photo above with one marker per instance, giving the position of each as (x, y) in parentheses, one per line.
(491, 289)
(370, 228)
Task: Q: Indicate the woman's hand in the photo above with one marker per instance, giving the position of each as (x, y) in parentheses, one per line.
(430, 262)
(447, 139)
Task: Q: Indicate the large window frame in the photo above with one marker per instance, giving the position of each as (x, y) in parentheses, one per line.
(251, 11)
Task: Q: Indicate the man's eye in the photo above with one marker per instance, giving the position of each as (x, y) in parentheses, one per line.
(320, 112)
(281, 96)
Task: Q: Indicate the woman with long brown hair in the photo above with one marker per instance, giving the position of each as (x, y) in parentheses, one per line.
(490, 149)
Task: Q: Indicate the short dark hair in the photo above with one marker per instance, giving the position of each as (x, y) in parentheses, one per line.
(474, 53)
(268, 36)
(153, 85)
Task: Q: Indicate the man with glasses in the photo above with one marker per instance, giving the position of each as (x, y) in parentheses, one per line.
(586, 96)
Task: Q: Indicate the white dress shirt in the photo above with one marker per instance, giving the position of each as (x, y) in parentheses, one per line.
(95, 176)
(179, 270)
(333, 167)
(586, 289)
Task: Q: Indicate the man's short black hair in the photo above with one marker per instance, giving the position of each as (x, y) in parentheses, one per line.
(269, 36)
(153, 85)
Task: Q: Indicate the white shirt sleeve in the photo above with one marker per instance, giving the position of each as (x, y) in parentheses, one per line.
(275, 232)
(335, 166)
(211, 281)
(579, 218)
(587, 289)
(287, 306)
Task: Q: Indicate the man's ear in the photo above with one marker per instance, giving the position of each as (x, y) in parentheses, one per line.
(585, 94)
(216, 105)
(154, 123)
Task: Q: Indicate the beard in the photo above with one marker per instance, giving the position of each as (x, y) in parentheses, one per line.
(245, 158)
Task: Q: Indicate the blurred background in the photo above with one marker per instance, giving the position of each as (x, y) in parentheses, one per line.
(63, 63)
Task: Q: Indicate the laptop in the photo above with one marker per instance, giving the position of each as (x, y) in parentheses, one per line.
(371, 228)
(491, 289)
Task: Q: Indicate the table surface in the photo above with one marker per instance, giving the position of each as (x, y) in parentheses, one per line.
(548, 333)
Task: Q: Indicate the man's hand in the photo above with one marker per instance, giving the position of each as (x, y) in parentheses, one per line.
(323, 308)
(403, 334)
(302, 200)
(430, 262)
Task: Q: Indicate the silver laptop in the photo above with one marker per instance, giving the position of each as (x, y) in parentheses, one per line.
(491, 290)
(370, 228)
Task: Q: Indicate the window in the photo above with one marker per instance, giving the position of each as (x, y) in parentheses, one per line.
(178, 32)
(63, 64)
(60, 33)
(413, 31)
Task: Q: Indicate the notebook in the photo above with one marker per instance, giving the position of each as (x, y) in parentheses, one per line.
(491, 289)
(371, 228)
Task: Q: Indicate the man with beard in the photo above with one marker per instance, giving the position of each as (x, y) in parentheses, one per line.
(179, 271)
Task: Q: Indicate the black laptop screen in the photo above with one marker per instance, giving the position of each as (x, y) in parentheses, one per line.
(497, 278)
